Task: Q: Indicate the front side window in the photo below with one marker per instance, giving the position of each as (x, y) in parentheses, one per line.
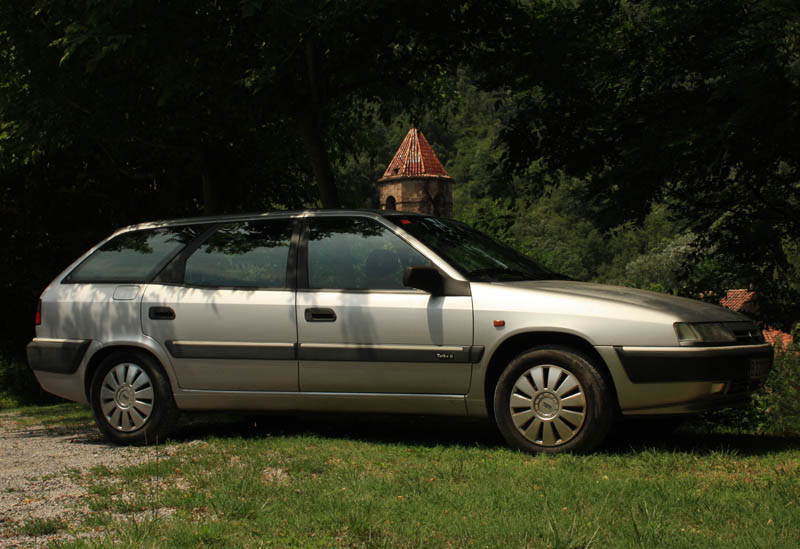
(247, 254)
(357, 254)
(134, 256)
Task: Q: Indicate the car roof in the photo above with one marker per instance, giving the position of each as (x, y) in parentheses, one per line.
(265, 215)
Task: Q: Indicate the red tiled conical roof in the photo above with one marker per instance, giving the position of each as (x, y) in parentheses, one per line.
(414, 158)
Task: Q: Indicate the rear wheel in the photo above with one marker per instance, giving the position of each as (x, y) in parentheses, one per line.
(553, 399)
(132, 399)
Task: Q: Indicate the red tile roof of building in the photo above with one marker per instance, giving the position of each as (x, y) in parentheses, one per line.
(414, 158)
(737, 299)
(773, 334)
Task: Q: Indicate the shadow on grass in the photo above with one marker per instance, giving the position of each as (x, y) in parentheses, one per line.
(402, 429)
(375, 428)
(700, 441)
(455, 431)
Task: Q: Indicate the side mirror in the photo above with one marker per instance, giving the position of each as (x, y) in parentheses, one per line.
(425, 278)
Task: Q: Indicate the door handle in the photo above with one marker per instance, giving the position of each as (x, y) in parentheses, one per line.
(320, 315)
(161, 313)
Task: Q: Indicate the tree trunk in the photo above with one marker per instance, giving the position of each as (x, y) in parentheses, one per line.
(308, 118)
(320, 163)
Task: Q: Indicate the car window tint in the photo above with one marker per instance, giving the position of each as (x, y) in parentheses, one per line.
(134, 256)
(250, 254)
(358, 254)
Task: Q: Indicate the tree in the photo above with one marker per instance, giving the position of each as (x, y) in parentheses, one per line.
(696, 103)
(309, 73)
(112, 113)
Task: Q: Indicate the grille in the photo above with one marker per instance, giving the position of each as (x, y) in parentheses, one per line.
(746, 333)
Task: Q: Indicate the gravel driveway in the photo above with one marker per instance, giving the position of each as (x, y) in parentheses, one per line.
(40, 474)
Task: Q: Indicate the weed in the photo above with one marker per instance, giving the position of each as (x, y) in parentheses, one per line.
(41, 527)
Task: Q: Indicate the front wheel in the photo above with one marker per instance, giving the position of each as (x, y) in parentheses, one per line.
(131, 399)
(551, 400)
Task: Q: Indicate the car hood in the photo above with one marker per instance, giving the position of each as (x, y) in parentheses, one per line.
(681, 308)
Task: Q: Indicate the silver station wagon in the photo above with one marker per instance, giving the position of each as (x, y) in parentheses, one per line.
(359, 311)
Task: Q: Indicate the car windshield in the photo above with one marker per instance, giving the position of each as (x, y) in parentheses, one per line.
(473, 254)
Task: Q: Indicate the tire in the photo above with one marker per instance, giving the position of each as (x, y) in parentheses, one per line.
(552, 400)
(132, 399)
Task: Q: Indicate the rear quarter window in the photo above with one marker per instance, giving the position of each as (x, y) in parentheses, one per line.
(134, 256)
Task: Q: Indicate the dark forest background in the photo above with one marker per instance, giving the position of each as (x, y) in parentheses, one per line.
(646, 143)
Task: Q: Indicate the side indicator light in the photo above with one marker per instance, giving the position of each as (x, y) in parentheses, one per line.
(499, 323)
(38, 321)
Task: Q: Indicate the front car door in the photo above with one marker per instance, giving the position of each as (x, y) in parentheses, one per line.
(226, 311)
(360, 330)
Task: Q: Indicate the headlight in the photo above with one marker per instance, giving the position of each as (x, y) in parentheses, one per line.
(703, 333)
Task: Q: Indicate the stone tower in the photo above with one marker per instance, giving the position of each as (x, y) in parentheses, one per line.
(415, 180)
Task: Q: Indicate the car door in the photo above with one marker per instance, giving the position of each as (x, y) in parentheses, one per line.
(360, 330)
(227, 318)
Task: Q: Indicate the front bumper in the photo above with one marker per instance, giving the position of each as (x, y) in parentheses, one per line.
(682, 380)
(673, 364)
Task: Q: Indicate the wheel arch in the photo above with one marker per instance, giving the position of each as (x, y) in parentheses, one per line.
(102, 353)
(519, 343)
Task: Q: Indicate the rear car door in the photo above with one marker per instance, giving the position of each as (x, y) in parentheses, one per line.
(225, 309)
(360, 330)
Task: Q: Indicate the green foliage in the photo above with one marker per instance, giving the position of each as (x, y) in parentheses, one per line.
(552, 231)
(778, 404)
(696, 104)
(18, 385)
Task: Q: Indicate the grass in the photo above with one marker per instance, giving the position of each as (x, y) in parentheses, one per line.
(41, 527)
(63, 415)
(378, 481)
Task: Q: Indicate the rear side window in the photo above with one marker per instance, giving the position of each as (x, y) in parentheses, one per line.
(134, 256)
(250, 254)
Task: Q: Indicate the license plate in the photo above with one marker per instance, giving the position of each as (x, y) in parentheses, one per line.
(759, 367)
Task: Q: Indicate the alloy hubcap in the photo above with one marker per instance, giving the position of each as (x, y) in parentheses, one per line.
(126, 397)
(548, 405)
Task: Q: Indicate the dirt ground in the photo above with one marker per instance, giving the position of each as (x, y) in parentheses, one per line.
(40, 472)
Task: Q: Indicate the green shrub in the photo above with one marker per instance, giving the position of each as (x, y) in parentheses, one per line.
(18, 385)
(779, 400)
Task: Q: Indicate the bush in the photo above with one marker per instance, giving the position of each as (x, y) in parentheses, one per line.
(779, 401)
(18, 385)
